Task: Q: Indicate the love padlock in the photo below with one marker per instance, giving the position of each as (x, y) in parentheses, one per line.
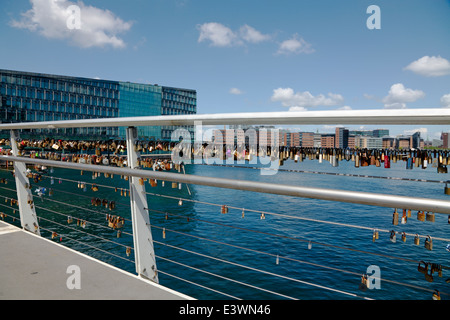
(428, 243)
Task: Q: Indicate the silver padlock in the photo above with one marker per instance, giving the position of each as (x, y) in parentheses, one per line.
(393, 236)
(428, 243)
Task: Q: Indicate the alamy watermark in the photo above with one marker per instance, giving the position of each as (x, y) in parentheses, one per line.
(74, 280)
(374, 20)
(73, 21)
(372, 278)
(212, 146)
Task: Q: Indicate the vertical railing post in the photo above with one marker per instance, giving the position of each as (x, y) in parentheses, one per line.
(28, 218)
(143, 242)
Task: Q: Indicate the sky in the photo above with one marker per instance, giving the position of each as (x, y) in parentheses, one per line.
(246, 55)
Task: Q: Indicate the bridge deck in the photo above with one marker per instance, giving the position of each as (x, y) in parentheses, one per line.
(32, 267)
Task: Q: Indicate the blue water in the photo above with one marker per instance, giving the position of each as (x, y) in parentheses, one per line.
(338, 257)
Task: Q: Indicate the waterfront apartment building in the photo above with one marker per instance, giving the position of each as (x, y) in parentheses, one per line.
(26, 96)
(327, 141)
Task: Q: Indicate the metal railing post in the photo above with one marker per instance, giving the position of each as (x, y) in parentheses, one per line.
(143, 242)
(28, 218)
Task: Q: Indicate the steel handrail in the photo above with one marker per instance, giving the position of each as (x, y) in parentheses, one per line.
(430, 116)
(356, 197)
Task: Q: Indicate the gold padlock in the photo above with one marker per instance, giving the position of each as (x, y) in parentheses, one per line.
(421, 215)
(446, 189)
(430, 216)
(422, 269)
(416, 240)
(395, 218)
(375, 235)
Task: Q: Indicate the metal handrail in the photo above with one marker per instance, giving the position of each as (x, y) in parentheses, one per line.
(342, 117)
(356, 197)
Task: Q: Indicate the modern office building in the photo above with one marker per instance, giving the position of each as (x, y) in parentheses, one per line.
(341, 137)
(380, 133)
(26, 96)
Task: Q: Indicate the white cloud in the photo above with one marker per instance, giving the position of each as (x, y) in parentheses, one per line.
(295, 45)
(252, 35)
(430, 66)
(288, 98)
(445, 100)
(99, 28)
(235, 91)
(297, 109)
(222, 36)
(398, 96)
(345, 108)
(423, 132)
(218, 34)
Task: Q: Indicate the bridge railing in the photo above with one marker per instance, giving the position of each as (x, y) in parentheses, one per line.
(139, 177)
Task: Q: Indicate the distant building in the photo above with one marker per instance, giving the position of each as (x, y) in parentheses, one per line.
(389, 143)
(341, 137)
(380, 133)
(415, 140)
(295, 139)
(351, 141)
(307, 139)
(437, 143)
(317, 140)
(367, 142)
(404, 142)
(444, 138)
(31, 97)
(327, 140)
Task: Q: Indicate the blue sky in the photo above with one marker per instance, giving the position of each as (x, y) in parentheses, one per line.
(246, 55)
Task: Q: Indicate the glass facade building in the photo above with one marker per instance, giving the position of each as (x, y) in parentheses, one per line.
(26, 96)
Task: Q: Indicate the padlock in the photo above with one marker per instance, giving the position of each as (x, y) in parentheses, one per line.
(429, 276)
(393, 236)
(416, 240)
(421, 215)
(174, 185)
(404, 237)
(435, 267)
(375, 235)
(430, 216)
(363, 283)
(395, 218)
(422, 269)
(224, 209)
(436, 295)
(428, 243)
(404, 218)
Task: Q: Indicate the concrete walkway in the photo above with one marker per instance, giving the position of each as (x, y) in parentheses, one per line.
(32, 267)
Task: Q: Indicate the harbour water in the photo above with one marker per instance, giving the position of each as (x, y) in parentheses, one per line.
(298, 248)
